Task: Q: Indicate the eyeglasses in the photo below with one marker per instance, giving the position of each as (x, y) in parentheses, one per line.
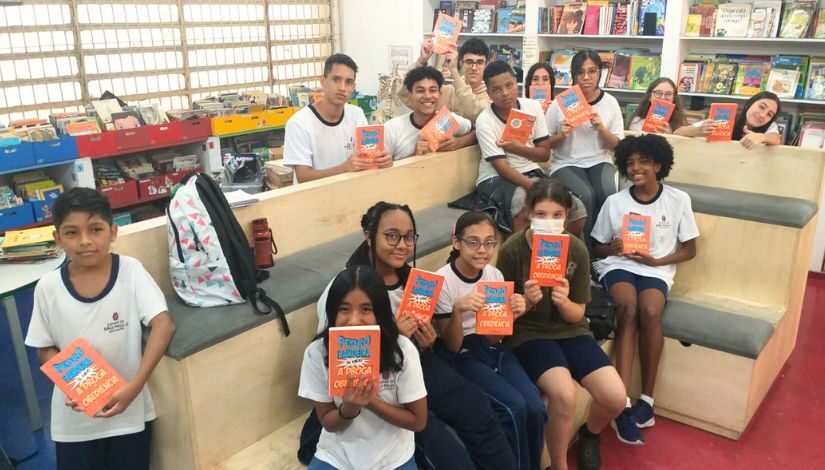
(470, 63)
(394, 238)
(591, 72)
(662, 94)
(474, 243)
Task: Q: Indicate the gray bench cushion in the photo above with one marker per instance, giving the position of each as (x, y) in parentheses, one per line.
(716, 329)
(776, 210)
(296, 280)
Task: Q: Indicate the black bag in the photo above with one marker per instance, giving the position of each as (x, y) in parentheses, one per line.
(601, 313)
(239, 255)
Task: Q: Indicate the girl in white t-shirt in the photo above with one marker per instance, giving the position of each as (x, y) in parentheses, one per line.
(541, 73)
(482, 359)
(663, 89)
(637, 282)
(372, 425)
(582, 155)
(754, 125)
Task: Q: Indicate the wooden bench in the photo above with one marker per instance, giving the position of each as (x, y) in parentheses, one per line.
(732, 318)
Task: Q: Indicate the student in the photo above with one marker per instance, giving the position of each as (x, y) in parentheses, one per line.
(541, 73)
(581, 155)
(320, 138)
(639, 283)
(754, 125)
(363, 429)
(390, 239)
(467, 96)
(94, 296)
(508, 169)
(663, 89)
(482, 359)
(401, 137)
(552, 341)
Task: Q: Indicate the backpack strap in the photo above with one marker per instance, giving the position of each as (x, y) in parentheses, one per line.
(176, 233)
(259, 295)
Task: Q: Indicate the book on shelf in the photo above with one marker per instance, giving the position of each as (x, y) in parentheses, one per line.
(797, 19)
(793, 62)
(774, 14)
(620, 75)
(354, 355)
(561, 61)
(484, 19)
(783, 82)
(707, 12)
(506, 53)
(751, 79)
(591, 20)
(651, 17)
(503, 19)
(572, 20)
(690, 74)
(693, 25)
(760, 23)
(721, 78)
(644, 68)
(558, 14)
(515, 23)
(465, 11)
(812, 136)
(815, 89)
(732, 20)
(607, 67)
(819, 28)
(619, 27)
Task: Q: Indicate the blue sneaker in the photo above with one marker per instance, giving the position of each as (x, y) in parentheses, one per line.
(626, 429)
(643, 414)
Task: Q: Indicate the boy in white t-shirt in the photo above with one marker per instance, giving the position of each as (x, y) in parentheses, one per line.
(320, 139)
(638, 282)
(508, 168)
(103, 298)
(401, 137)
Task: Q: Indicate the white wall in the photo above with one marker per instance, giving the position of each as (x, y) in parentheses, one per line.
(368, 27)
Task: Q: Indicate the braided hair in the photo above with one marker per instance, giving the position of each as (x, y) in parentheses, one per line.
(365, 253)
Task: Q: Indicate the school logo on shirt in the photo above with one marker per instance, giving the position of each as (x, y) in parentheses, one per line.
(664, 223)
(387, 382)
(571, 268)
(116, 324)
(350, 146)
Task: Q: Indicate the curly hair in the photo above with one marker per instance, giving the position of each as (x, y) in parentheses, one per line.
(652, 146)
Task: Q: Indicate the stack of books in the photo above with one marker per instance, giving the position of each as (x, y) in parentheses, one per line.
(20, 246)
(605, 17)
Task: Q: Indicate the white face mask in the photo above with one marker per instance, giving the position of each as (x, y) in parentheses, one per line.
(547, 226)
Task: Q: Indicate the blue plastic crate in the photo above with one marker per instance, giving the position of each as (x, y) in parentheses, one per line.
(16, 216)
(58, 150)
(16, 156)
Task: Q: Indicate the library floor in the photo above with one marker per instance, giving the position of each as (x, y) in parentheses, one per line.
(785, 433)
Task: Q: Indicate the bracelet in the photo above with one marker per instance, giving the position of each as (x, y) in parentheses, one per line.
(347, 417)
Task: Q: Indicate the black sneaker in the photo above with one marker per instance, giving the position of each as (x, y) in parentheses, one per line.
(589, 456)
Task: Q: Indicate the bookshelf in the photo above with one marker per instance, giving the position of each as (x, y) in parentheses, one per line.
(745, 98)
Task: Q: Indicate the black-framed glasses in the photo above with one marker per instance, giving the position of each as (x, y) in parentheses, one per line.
(474, 243)
(470, 63)
(394, 238)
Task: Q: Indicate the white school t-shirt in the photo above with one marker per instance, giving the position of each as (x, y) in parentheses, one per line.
(369, 442)
(311, 141)
(672, 222)
(637, 123)
(111, 324)
(456, 286)
(772, 129)
(584, 147)
(401, 134)
(394, 292)
(489, 127)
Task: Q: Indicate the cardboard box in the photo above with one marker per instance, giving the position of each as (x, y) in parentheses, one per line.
(278, 175)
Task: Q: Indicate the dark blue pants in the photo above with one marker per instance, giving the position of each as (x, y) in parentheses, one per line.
(512, 394)
(462, 406)
(127, 452)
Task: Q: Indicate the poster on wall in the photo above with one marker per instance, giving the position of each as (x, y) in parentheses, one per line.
(401, 56)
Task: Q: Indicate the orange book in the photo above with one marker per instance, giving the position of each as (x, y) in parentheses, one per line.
(725, 115)
(658, 115)
(519, 126)
(496, 316)
(543, 94)
(440, 128)
(420, 295)
(369, 142)
(636, 234)
(354, 351)
(549, 260)
(574, 106)
(84, 376)
(445, 33)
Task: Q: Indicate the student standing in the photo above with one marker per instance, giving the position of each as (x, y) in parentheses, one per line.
(104, 298)
(320, 138)
(637, 282)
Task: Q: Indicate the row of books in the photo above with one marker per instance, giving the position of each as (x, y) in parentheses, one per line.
(604, 17)
(631, 69)
(760, 19)
(733, 74)
(138, 167)
(22, 246)
(485, 16)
